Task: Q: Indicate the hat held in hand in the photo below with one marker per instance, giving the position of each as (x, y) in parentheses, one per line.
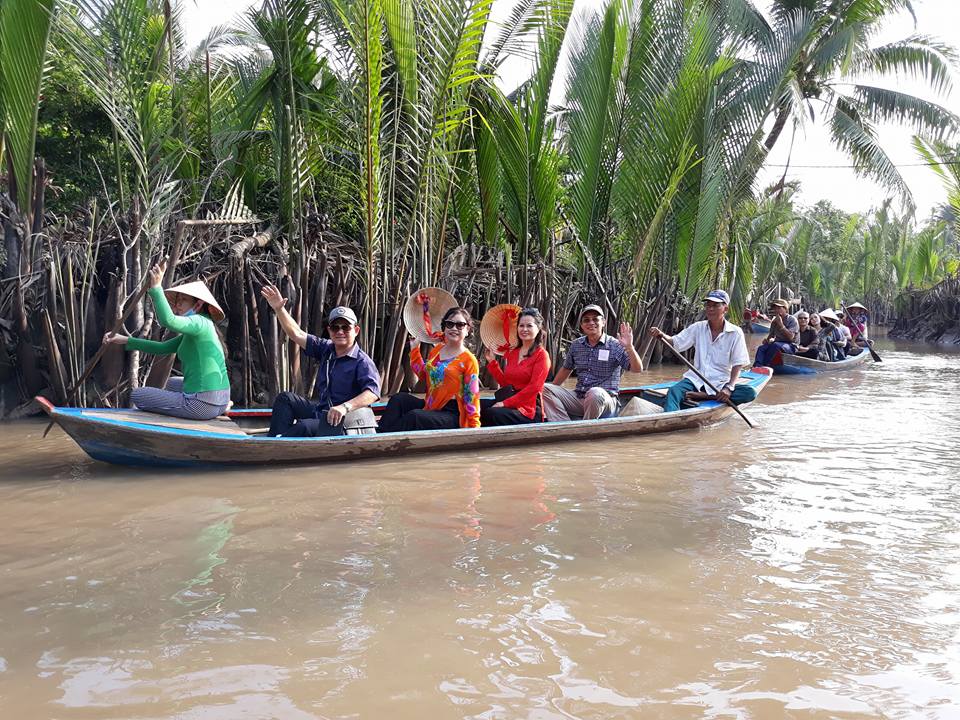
(423, 312)
(498, 329)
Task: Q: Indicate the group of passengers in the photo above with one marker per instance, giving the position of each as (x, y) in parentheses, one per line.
(826, 335)
(348, 382)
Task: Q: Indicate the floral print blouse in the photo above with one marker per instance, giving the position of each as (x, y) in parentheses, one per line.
(457, 378)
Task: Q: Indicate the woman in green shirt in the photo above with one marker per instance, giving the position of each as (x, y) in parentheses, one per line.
(203, 392)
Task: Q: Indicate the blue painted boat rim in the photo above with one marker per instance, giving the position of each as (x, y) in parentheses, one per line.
(754, 378)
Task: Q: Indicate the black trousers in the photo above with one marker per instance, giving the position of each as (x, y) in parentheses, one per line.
(289, 407)
(406, 412)
(490, 416)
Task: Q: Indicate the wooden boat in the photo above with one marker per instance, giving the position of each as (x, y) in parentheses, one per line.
(851, 361)
(132, 437)
(759, 327)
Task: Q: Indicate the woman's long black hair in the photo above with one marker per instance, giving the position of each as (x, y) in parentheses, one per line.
(538, 319)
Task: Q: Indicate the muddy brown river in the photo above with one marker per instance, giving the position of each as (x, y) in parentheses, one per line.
(806, 569)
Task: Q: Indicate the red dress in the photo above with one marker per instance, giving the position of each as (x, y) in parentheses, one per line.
(527, 376)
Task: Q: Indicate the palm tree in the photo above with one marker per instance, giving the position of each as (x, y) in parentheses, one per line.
(24, 33)
(834, 76)
(944, 160)
(664, 119)
(24, 38)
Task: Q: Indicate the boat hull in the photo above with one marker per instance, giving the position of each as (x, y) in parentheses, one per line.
(821, 366)
(126, 442)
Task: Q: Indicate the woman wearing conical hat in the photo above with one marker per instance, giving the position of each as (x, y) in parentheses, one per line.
(855, 319)
(190, 310)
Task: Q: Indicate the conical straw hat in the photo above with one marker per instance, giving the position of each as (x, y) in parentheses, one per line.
(424, 311)
(498, 329)
(855, 305)
(829, 315)
(197, 289)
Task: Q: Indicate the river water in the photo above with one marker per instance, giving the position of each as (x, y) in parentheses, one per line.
(806, 569)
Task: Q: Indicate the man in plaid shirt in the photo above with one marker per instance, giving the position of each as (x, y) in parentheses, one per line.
(599, 360)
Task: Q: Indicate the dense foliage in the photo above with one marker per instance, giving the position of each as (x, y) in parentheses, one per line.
(377, 138)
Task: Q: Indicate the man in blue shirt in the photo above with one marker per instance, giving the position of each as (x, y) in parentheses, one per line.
(347, 379)
(599, 360)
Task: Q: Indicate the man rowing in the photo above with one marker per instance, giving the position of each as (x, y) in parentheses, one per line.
(855, 319)
(721, 352)
(347, 379)
(599, 361)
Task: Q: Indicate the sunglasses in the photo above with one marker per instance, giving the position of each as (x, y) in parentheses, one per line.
(591, 321)
(451, 324)
(340, 327)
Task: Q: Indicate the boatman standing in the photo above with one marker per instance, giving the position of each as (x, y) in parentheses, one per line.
(347, 379)
(599, 360)
(721, 352)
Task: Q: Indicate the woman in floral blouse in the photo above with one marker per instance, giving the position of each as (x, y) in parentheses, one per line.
(453, 386)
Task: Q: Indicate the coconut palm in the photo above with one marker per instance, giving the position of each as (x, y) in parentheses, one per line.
(24, 33)
(943, 160)
(664, 116)
(835, 77)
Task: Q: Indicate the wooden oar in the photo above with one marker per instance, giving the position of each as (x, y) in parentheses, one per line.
(873, 353)
(708, 383)
(92, 363)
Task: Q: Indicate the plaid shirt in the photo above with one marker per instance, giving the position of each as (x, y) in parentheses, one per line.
(591, 370)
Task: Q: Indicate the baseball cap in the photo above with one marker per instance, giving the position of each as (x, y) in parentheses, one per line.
(341, 311)
(590, 308)
(718, 296)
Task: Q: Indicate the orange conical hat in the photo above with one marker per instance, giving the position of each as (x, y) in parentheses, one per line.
(424, 311)
(498, 329)
(198, 289)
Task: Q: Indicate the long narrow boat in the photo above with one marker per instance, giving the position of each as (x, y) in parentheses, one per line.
(757, 327)
(132, 437)
(851, 361)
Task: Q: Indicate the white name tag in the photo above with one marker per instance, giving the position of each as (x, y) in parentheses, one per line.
(603, 355)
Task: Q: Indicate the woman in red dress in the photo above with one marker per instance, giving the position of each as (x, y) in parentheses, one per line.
(521, 379)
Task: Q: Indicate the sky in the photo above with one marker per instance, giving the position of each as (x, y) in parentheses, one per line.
(811, 146)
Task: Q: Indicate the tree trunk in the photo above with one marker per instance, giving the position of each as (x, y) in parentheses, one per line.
(783, 115)
(26, 354)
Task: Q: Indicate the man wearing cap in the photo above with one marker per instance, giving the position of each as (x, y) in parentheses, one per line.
(347, 379)
(721, 352)
(599, 360)
(783, 335)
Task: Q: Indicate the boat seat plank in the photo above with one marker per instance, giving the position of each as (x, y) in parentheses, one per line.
(221, 425)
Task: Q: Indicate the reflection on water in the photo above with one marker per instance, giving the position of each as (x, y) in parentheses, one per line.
(808, 569)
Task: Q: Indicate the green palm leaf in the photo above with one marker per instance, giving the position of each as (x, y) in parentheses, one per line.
(24, 33)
